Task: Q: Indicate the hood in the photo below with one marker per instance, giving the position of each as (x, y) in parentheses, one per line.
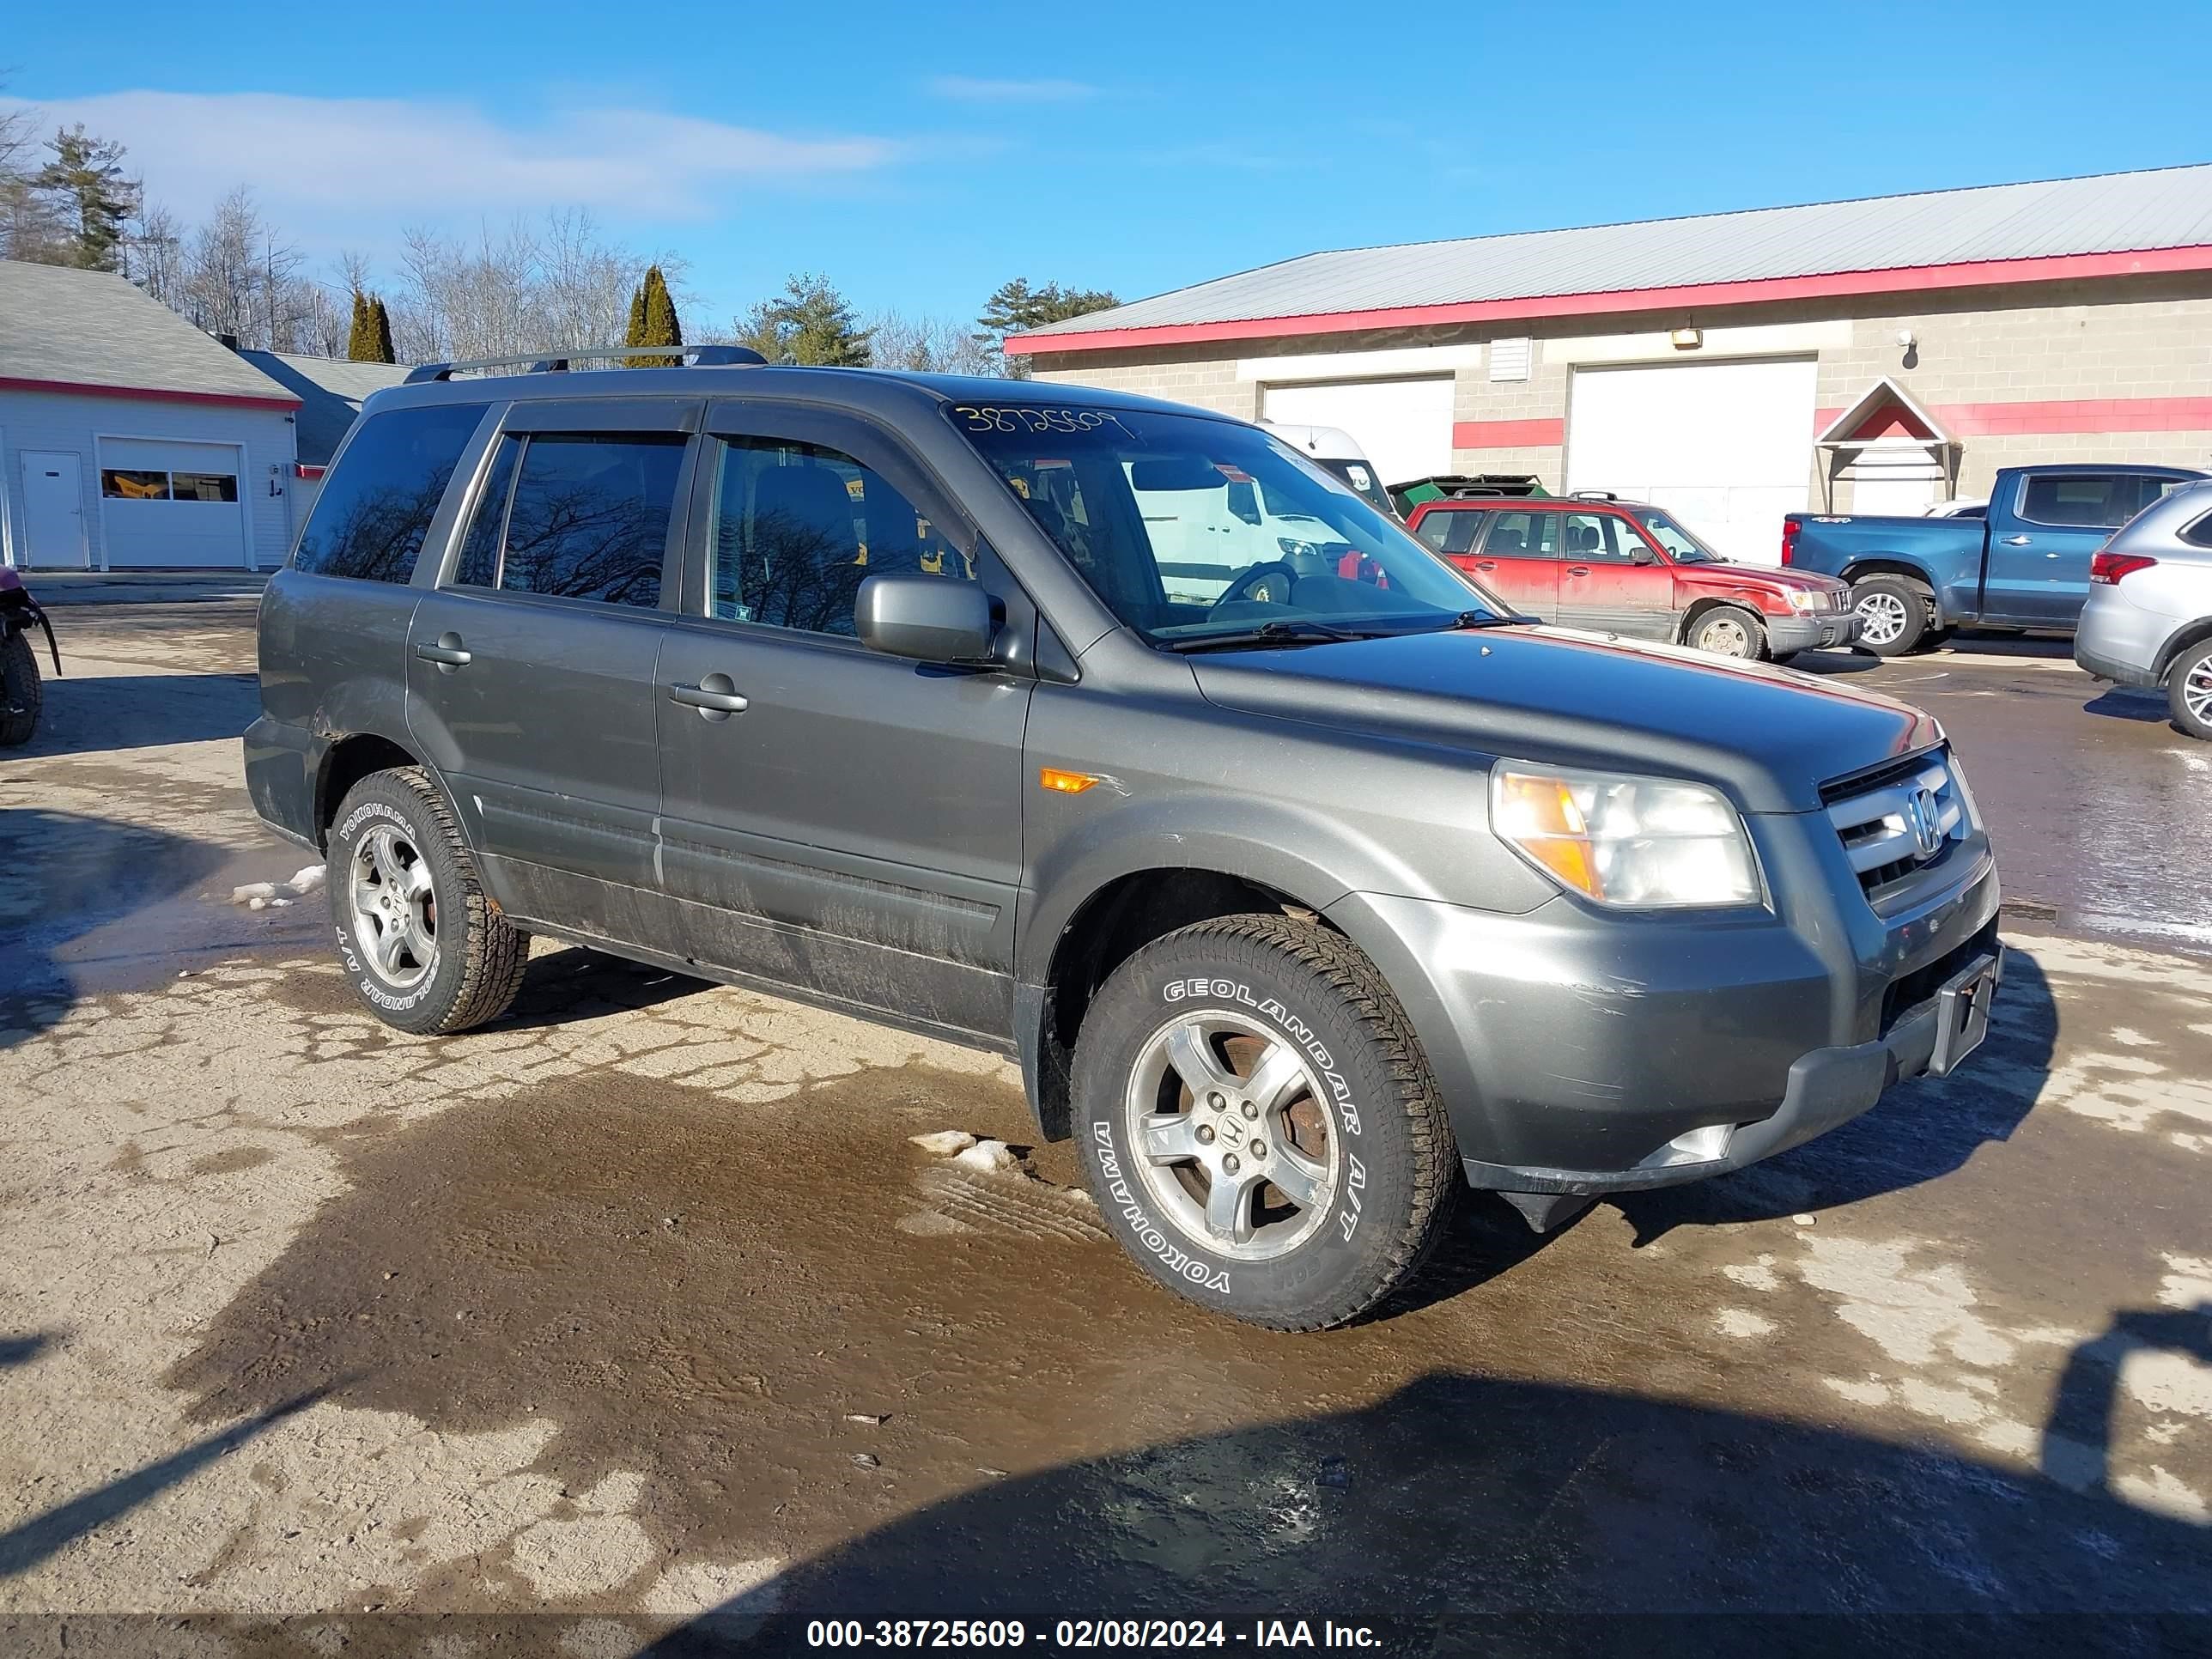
(1768, 736)
(1775, 578)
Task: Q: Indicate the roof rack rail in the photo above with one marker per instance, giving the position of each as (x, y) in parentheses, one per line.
(1595, 496)
(557, 362)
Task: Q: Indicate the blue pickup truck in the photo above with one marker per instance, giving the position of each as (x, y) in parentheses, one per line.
(2023, 563)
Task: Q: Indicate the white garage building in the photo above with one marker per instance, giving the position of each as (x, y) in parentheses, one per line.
(129, 440)
(1876, 355)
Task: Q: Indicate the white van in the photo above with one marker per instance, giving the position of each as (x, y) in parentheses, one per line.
(1334, 448)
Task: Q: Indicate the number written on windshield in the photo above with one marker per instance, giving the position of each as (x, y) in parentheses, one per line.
(1026, 418)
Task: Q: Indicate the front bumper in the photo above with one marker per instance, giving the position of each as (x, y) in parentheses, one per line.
(1580, 1052)
(1801, 633)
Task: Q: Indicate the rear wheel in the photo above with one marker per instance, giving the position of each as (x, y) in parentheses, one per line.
(1893, 614)
(2189, 690)
(1258, 1124)
(1728, 631)
(421, 941)
(21, 693)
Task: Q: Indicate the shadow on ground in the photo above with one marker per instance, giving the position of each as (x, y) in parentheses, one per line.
(1920, 1131)
(1541, 1508)
(2127, 702)
(63, 877)
(90, 714)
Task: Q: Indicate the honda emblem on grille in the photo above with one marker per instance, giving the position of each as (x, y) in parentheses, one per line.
(1924, 817)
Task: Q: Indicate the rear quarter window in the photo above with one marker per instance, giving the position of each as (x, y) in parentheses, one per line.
(377, 504)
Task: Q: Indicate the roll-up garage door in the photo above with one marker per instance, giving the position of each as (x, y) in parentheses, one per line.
(1726, 447)
(168, 502)
(1404, 426)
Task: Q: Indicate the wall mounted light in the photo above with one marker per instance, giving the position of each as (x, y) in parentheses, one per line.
(1687, 340)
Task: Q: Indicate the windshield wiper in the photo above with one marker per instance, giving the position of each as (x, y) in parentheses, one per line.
(1282, 631)
(1479, 619)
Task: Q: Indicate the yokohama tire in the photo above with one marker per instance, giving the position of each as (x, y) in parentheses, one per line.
(20, 690)
(478, 957)
(1298, 987)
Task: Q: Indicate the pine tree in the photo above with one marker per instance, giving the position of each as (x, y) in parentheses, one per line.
(380, 341)
(635, 334)
(1016, 306)
(659, 326)
(91, 200)
(808, 323)
(358, 336)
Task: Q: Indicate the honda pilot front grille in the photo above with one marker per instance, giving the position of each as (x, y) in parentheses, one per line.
(1896, 821)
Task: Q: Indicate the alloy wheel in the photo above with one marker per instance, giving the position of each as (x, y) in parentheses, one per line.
(395, 910)
(1231, 1136)
(2197, 692)
(1883, 617)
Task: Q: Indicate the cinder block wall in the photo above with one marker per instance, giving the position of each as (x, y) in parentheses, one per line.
(2130, 350)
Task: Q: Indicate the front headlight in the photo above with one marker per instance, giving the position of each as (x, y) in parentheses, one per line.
(1807, 599)
(1632, 844)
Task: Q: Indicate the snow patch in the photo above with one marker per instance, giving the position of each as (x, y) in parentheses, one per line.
(1872, 1392)
(2187, 1282)
(1759, 1276)
(1742, 1324)
(988, 1156)
(944, 1143)
(263, 895)
(2161, 1493)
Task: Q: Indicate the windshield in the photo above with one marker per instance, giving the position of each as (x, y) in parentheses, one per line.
(1191, 529)
(1682, 546)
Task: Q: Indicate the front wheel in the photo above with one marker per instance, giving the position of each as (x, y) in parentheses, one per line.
(1728, 631)
(2189, 691)
(1258, 1124)
(421, 941)
(21, 693)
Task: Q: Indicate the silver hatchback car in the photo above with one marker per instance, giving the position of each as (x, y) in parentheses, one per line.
(2149, 620)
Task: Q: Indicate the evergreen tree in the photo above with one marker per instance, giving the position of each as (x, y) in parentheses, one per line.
(380, 339)
(658, 325)
(635, 334)
(1016, 306)
(358, 336)
(91, 200)
(809, 322)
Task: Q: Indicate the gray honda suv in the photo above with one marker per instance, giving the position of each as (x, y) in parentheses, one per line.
(1302, 880)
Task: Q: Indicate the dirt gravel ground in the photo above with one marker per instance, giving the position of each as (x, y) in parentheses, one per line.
(636, 1320)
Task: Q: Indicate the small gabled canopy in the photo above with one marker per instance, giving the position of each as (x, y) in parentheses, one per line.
(1885, 411)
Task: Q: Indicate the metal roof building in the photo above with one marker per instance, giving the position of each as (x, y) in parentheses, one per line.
(1703, 359)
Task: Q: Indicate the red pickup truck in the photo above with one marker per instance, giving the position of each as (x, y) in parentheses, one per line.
(1618, 567)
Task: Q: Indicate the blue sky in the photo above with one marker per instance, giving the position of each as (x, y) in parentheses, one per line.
(919, 154)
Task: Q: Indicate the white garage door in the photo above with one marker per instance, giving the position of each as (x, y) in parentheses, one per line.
(1404, 426)
(163, 502)
(1727, 447)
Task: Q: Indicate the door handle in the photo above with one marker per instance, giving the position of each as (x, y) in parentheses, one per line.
(1578, 570)
(2018, 541)
(447, 653)
(715, 697)
(1486, 564)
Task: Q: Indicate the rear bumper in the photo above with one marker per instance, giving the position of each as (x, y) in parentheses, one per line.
(1795, 633)
(2121, 641)
(281, 766)
(2112, 669)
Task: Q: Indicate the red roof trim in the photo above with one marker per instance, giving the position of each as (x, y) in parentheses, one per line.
(305, 469)
(152, 393)
(1508, 435)
(1909, 279)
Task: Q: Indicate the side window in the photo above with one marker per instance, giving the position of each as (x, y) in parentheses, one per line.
(589, 519)
(799, 527)
(377, 504)
(1464, 527)
(2088, 501)
(1436, 526)
(479, 565)
(1596, 535)
(1523, 535)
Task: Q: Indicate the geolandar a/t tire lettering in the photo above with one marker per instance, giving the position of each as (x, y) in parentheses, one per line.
(420, 941)
(1258, 1124)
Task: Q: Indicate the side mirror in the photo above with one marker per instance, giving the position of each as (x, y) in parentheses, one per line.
(938, 619)
(1646, 556)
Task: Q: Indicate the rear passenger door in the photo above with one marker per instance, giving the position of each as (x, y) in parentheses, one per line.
(530, 664)
(833, 819)
(1518, 559)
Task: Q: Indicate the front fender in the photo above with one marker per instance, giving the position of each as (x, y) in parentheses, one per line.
(1955, 588)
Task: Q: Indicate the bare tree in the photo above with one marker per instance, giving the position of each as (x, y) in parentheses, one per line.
(154, 254)
(556, 282)
(933, 345)
(30, 228)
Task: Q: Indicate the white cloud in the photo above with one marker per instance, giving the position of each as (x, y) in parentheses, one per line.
(326, 164)
(969, 89)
